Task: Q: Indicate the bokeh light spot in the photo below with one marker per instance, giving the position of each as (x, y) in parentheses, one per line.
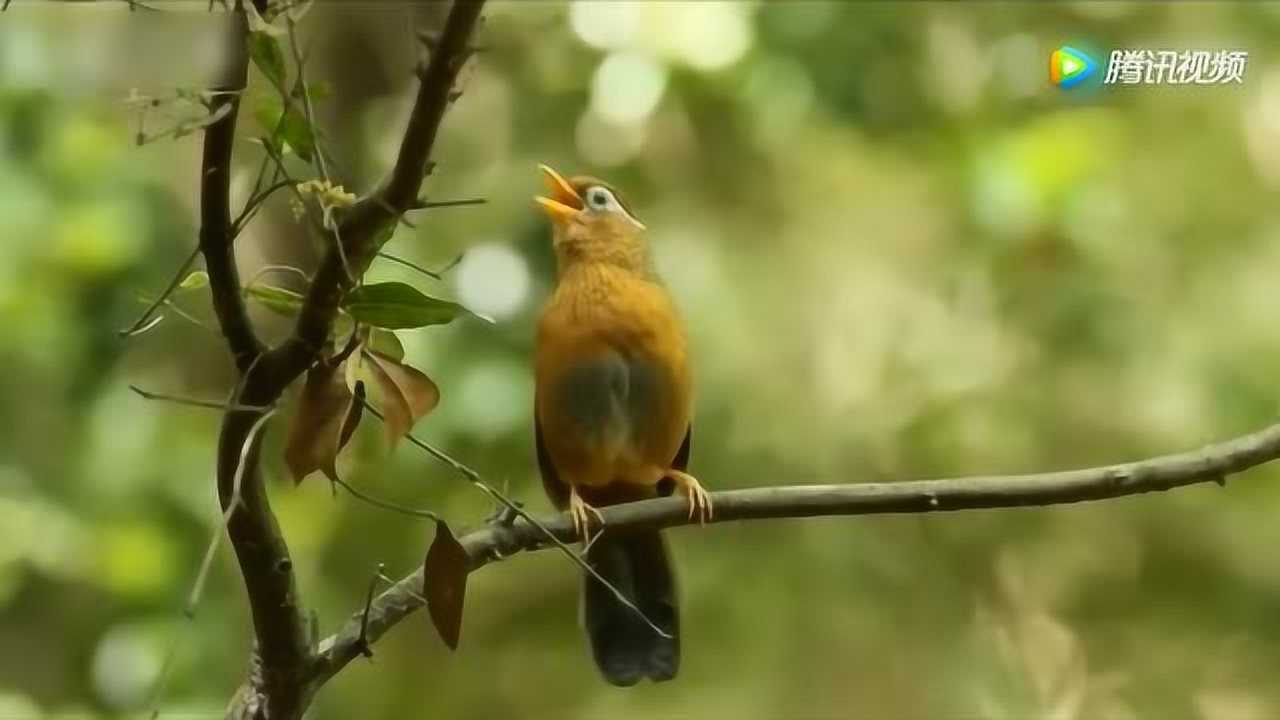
(493, 280)
(627, 87)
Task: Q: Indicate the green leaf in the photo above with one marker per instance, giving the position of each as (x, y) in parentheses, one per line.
(397, 306)
(297, 132)
(278, 300)
(267, 113)
(291, 127)
(320, 90)
(444, 584)
(195, 281)
(386, 343)
(268, 57)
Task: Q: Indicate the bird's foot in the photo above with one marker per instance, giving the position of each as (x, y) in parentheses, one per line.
(580, 512)
(699, 498)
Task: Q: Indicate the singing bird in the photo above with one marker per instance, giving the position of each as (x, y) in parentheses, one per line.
(613, 408)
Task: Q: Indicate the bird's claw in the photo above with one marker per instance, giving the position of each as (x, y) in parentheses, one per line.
(699, 498)
(580, 512)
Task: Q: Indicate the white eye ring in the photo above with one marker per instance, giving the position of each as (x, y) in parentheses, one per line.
(599, 199)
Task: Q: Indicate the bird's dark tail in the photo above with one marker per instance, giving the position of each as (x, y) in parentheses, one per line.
(626, 649)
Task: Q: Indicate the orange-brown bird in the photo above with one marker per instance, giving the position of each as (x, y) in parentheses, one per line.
(613, 408)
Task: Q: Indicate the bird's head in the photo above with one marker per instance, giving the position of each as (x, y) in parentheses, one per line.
(591, 223)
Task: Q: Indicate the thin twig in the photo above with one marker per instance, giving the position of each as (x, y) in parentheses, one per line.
(278, 159)
(329, 224)
(183, 128)
(197, 588)
(166, 672)
(476, 481)
(145, 328)
(193, 402)
(332, 226)
(174, 282)
(365, 649)
(325, 226)
(255, 202)
(452, 263)
(412, 593)
(384, 504)
(268, 269)
(177, 310)
(307, 107)
(424, 204)
(280, 176)
(435, 274)
(260, 176)
(186, 315)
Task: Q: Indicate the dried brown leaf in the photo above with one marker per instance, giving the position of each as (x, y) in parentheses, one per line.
(396, 417)
(445, 584)
(355, 411)
(326, 416)
(421, 394)
(407, 393)
(353, 370)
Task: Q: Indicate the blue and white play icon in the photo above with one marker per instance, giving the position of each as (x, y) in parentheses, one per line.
(1069, 67)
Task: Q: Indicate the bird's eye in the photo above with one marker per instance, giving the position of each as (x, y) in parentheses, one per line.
(598, 198)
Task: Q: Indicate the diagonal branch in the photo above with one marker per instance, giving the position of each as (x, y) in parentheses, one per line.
(434, 96)
(495, 542)
(366, 226)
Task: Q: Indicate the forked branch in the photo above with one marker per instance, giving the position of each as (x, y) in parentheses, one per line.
(282, 680)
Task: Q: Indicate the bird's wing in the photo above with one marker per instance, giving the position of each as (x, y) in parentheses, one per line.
(681, 460)
(556, 490)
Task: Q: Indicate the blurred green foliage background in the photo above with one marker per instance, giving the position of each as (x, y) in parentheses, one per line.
(901, 254)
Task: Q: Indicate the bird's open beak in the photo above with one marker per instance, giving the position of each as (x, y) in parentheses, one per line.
(563, 203)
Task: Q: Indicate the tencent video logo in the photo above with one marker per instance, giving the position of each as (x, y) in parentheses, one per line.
(1069, 67)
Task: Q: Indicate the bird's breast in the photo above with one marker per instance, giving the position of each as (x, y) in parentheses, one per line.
(613, 385)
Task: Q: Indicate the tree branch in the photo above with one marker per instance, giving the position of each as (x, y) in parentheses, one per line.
(365, 227)
(434, 96)
(216, 236)
(495, 542)
(280, 638)
(281, 682)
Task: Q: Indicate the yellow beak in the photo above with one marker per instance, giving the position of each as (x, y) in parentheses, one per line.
(564, 204)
